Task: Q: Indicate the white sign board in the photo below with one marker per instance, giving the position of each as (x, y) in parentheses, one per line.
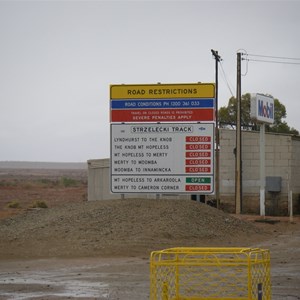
(162, 158)
(262, 108)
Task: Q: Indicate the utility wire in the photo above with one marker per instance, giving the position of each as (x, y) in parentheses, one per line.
(272, 61)
(257, 60)
(246, 54)
(274, 57)
(225, 79)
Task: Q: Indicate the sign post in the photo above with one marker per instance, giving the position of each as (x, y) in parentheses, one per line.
(262, 109)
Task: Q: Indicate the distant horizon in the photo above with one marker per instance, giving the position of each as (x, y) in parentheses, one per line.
(43, 161)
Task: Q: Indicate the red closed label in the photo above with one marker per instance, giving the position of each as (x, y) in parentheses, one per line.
(198, 139)
(197, 170)
(197, 161)
(197, 147)
(198, 154)
(197, 187)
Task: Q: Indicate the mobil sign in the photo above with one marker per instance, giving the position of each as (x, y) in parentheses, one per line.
(262, 108)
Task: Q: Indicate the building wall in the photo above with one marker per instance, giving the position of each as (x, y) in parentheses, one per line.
(282, 159)
(98, 180)
(99, 184)
(295, 165)
(295, 173)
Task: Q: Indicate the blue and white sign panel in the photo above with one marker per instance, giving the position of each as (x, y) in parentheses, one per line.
(262, 108)
(165, 103)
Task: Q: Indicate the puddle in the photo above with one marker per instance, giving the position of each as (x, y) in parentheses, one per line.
(60, 283)
(86, 278)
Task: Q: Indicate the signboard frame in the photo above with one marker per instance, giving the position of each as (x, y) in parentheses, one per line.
(262, 108)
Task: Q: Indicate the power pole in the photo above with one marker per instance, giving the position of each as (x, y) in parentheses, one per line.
(218, 59)
(238, 156)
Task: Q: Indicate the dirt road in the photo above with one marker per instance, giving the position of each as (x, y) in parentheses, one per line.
(127, 278)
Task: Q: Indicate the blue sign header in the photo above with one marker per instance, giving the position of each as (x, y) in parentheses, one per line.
(162, 103)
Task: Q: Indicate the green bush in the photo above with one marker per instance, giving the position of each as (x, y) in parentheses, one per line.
(68, 182)
(39, 204)
(13, 204)
(3, 183)
(9, 183)
(27, 185)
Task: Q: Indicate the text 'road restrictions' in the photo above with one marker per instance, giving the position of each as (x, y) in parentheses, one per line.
(162, 158)
(162, 103)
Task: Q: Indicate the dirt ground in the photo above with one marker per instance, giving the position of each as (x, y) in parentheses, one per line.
(76, 249)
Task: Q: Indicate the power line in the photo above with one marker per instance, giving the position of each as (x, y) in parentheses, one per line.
(274, 57)
(272, 61)
(225, 79)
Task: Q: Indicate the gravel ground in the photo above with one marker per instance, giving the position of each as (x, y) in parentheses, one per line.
(120, 228)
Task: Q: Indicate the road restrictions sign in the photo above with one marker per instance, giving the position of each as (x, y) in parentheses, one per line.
(162, 158)
(162, 103)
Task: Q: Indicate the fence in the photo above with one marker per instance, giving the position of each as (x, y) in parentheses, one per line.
(210, 273)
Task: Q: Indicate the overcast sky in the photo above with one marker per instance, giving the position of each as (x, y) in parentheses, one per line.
(58, 58)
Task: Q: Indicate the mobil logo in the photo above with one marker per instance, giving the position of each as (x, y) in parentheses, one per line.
(266, 109)
(262, 108)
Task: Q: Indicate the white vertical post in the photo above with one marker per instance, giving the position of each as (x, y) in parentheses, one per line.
(291, 205)
(290, 199)
(262, 169)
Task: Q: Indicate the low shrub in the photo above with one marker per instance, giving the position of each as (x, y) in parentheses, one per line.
(68, 182)
(13, 204)
(39, 204)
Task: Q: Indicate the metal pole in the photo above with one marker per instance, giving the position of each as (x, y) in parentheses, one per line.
(217, 180)
(238, 157)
